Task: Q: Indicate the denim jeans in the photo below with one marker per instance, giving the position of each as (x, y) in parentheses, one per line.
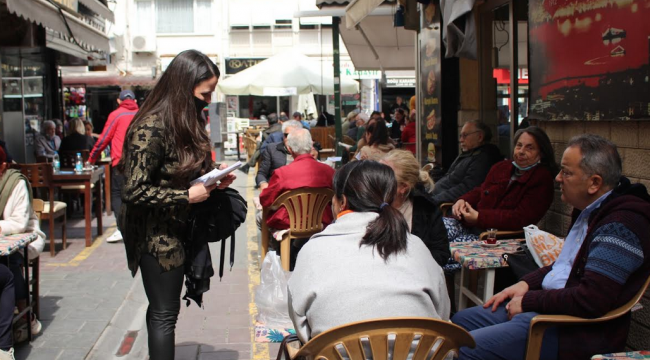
(499, 338)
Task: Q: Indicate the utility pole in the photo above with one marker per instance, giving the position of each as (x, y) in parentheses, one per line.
(337, 83)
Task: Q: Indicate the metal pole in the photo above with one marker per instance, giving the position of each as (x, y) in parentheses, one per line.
(337, 83)
(514, 71)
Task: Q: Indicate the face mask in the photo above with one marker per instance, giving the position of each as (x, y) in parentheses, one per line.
(524, 168)
(200, 105)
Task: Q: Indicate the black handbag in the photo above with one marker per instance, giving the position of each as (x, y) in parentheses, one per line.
(283, 352)
(521, 262)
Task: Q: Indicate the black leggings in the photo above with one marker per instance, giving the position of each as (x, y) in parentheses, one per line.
(163, 290)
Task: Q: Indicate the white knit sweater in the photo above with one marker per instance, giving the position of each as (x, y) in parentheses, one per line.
(336, 282)
(18, 217)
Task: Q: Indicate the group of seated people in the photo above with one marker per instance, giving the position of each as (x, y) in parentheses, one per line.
(370, 260)
(80, 137)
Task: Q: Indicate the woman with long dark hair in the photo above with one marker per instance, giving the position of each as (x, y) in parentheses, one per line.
(365, 265)
(166, 147)
(377, 142)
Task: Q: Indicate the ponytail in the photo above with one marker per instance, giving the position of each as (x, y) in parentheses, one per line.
(387, 233)
(371, 187)
(426, 181)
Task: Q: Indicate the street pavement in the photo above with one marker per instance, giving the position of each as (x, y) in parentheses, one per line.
(91, 307)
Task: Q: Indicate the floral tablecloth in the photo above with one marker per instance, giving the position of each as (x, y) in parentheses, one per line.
(9, 244)
(633, 355)
(473, 256)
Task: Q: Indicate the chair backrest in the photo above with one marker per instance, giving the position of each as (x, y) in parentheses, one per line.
(305, 207)
(250, 145)
(388, 339)
(348, 140)
(39, 176)
(38, 206)
(68, 159)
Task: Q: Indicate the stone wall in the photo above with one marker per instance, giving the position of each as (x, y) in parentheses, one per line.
(633, 141)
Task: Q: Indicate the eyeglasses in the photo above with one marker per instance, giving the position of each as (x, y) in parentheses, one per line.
(465, 135)
(286, 135)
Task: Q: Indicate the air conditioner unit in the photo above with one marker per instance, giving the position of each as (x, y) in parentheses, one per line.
(144, 43)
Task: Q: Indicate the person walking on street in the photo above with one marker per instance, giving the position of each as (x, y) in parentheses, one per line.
(166, 146)
(114, 132)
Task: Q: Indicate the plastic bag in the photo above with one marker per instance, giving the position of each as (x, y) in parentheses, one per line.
(543, 246)
(271, 295)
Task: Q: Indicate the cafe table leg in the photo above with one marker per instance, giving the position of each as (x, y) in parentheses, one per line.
(107, 189)
(465, 293)
(98, 209)
(87, 212)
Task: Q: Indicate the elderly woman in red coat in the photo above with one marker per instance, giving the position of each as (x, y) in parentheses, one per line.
(516, 193)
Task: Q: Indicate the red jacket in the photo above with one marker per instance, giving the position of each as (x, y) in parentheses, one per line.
(115, 131)
(408, 136)
(304, 171)
(506, 206)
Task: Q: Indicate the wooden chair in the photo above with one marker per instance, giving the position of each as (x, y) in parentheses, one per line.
(348, 140)
(540, 323)
(393, 338)
(305, 207)
(40, 177)
(68, 159)
(446, 208)
(250, 144)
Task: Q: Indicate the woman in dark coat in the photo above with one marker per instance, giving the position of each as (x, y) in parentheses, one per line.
(77, 139)
(420, 211)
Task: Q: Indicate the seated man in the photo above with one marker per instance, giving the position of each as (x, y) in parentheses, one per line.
(48, 143)
(304, 171)
(275, 155)
(470, 167)
(272, 134)
(603, 264)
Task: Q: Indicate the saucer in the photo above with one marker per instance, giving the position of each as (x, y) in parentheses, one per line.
(485, 244)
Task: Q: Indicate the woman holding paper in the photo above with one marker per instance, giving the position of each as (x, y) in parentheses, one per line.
(165, 148)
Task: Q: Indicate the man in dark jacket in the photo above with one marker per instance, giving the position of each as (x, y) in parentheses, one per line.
(604, 262)
(470, 167)
(275, 155)
(271, 135)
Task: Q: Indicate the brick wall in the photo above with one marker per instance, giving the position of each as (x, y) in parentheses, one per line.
(633, 141)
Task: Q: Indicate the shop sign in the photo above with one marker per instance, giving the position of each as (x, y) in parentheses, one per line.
(70, 4)
(400, 82)
(428, 103)
(234, 66)
(348, 70)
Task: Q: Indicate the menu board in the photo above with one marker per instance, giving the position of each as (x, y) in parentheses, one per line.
(430, 87)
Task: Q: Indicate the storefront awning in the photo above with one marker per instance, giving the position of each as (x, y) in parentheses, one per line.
(357, 10)
(44, 13)
(376, 45)
(99, 8)
(109, 78)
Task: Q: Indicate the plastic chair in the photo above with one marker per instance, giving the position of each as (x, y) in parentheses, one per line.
(540, 323)
(393, 338)
(305, 207)
(40, 176)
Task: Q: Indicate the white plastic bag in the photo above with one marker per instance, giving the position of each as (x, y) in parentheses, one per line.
(271, 295)
(543, 246)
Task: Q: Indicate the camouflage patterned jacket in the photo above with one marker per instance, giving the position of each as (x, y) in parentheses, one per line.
(154, 213)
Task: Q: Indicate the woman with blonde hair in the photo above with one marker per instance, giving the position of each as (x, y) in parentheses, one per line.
(77, 139)
(422, 214)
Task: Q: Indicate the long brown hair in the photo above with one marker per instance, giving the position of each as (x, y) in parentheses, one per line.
(172, 100)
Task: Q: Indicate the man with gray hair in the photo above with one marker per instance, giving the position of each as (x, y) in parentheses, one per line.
(48, 143)
(603, 264)
(275, 155)
(304, 171)
(470, 167)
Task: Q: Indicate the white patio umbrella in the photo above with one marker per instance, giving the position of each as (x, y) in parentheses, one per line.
(288, 73)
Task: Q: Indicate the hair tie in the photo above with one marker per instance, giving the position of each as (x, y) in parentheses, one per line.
(382, 206)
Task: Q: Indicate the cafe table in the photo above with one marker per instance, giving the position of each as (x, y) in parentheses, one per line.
(13, 243)
(85, 178)
(474, 256)
(106, 163)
